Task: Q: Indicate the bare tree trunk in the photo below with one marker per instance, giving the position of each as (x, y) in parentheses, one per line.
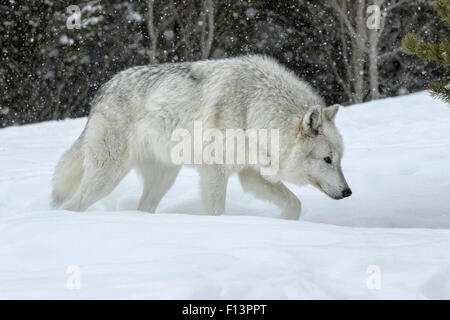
(374, 55)
(206, 42)
(358, 55)
(373, 64)
(355, 27)
(374, 38)
(152, 32)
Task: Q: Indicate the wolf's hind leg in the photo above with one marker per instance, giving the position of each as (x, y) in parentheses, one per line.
(213, 188)
(158, 179)
(276, 193)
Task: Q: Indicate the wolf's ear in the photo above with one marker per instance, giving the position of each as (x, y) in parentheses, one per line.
(311, 121)
(330, 112)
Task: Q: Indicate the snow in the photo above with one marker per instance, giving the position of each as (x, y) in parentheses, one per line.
(65, 40)
(169, 34)
(391, 239)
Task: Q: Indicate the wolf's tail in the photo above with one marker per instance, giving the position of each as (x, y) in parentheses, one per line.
(68, 173)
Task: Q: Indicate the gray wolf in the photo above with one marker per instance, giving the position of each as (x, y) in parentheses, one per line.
(134, 115)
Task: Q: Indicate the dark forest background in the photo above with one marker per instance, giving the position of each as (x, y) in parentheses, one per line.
(50, 71)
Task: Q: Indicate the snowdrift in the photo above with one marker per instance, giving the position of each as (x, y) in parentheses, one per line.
(391, 239)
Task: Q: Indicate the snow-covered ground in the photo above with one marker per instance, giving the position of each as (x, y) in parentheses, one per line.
(391, 239)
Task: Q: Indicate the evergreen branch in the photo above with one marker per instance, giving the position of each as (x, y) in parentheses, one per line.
(443, 10)
(439, 53)
(440, 91)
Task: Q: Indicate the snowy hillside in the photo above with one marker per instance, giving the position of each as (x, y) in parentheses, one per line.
(391, 239)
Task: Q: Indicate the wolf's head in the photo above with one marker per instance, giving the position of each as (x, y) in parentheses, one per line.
(315, 157)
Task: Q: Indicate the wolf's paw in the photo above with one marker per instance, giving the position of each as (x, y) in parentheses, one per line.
(293, 211)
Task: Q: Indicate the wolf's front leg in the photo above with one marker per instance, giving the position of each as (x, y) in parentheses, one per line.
(276, 193)
(213, 188)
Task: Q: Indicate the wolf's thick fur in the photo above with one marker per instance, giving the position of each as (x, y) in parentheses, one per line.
(135, 113)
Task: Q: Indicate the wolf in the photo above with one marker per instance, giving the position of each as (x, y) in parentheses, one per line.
(135, 113)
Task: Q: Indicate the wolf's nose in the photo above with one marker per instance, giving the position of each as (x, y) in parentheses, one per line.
(346, 193)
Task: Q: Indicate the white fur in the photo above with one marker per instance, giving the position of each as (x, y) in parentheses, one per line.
(135, 113)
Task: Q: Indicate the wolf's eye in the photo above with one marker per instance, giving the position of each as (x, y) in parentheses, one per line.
(327, 160)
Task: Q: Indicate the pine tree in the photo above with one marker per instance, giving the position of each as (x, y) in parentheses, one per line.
(439, 53)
